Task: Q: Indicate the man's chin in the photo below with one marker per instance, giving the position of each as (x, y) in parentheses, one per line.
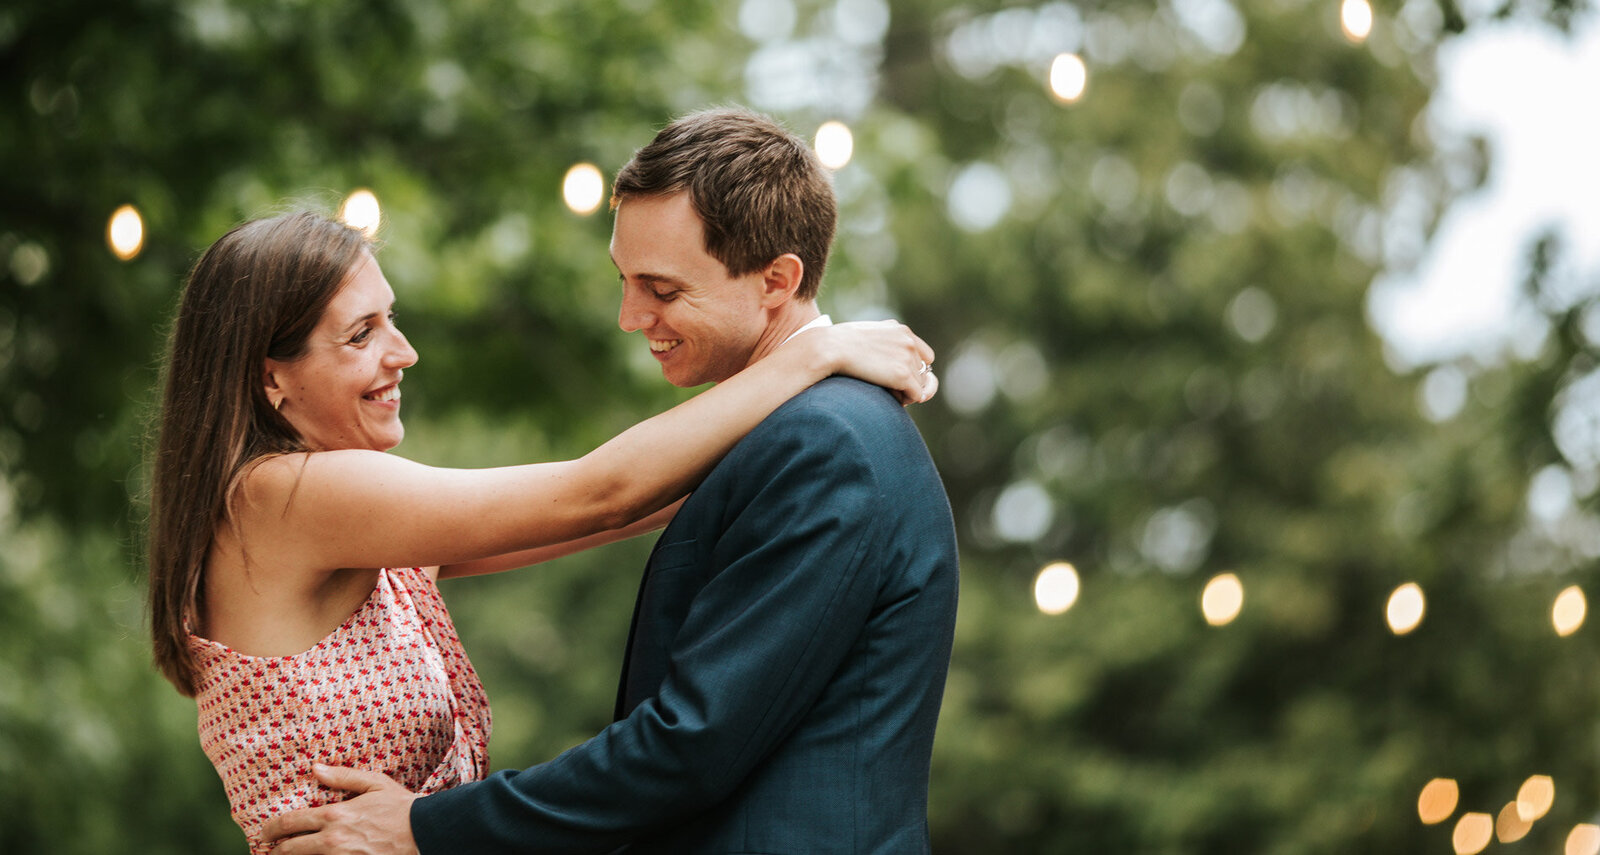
(681, 378)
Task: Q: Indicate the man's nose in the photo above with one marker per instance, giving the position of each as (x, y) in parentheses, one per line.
(633, 316)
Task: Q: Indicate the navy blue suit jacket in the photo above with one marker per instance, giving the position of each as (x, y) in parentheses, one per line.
(785, 666)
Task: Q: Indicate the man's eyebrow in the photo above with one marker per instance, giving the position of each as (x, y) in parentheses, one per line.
(653, 278)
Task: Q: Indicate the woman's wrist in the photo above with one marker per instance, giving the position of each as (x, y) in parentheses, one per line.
(827, 357)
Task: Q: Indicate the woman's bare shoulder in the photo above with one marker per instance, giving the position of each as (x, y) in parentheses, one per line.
(279, 472)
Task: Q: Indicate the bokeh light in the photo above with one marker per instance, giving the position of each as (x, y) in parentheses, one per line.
(1056, 588)
(1535, 797)
(1472, 834)
(979, 197)
(1584, 839)
(1570, 609)
(1222, 599)
(361, 211)
(1405, 609)
(1509, 826)
(1069, 77)
(125, 232)
(583, 189)
(1355, 18)
(1438, 800)
(834, 144)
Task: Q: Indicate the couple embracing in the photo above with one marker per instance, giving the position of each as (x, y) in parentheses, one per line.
(792, 632)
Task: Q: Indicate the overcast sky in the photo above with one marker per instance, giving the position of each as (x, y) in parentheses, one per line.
(1537, 97)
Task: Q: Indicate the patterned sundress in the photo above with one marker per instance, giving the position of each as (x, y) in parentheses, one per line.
(390, 690)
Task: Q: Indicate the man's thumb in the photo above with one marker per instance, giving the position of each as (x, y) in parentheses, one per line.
(354, 780)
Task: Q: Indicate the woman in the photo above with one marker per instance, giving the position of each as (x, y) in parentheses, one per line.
(280, 529)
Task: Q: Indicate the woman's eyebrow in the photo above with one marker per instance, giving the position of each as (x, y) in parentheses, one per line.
(352, 324)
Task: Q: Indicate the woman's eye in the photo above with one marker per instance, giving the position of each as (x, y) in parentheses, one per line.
(362, 336)
(666, 296)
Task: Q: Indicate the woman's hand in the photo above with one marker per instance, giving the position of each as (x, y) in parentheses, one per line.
(886, 353)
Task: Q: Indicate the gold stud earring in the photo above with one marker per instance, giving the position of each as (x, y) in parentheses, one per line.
(277, 405)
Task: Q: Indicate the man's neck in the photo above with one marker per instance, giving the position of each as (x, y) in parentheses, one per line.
(785, 323)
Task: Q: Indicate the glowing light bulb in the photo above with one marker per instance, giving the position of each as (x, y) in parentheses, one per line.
(1069, 77)
(1472, 833)
(1584, 839)
(834, 144)
(1355, 18)
(1535, 797)
(361, 211)
(1222, 600)
(583, 189)
(1406, 607)
(1056, 588)
(125, 232)
(1569, 611)
(1438, 800)
(1509, 827)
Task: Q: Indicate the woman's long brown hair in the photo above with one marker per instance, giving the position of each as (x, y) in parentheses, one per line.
(256, 293)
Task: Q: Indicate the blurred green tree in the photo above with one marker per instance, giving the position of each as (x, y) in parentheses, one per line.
(1148, 301)
(1162, 373)
(463, 117)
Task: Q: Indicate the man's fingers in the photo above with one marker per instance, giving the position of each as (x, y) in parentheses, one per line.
(354, 780)
(292, 823)
(299, 846)
(314, 819)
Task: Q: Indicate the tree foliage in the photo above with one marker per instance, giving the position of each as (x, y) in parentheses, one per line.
(1149, 308)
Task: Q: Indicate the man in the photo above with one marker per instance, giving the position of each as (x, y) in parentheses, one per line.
(793, 629)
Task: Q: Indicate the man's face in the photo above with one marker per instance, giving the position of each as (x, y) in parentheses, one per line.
(702, 324)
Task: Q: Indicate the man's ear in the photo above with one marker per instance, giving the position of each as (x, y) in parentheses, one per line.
(781, 279)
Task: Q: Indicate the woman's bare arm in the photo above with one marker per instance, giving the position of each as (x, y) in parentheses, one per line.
(541, 554)
(357, 508)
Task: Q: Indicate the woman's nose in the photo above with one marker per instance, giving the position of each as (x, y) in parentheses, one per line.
(402, 354)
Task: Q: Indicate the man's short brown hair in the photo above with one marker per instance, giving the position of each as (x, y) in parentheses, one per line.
(758, 189)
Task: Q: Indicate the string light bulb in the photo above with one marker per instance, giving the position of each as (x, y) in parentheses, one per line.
(125, 232)
(1509, 826)
(1222, 599)
(361, 211)
(1535, 797)
(834, 144)
(1406, 608)
(1570, 608)
(1438, 800)
(1583, 839)
(1069, 78)
(1055, 589)
(1355, 18)
(583, 189)
(1472, 834)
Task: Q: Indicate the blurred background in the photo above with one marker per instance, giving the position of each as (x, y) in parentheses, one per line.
(1266, 546)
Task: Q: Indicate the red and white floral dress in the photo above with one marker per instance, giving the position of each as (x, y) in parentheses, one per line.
(390, 690)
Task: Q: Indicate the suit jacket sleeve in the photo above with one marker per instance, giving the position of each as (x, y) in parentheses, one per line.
(791, 583)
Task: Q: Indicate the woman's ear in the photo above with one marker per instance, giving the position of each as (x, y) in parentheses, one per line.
(781, 279)
(269, 380)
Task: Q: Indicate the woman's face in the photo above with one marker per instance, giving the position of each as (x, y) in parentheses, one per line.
(344, 392)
